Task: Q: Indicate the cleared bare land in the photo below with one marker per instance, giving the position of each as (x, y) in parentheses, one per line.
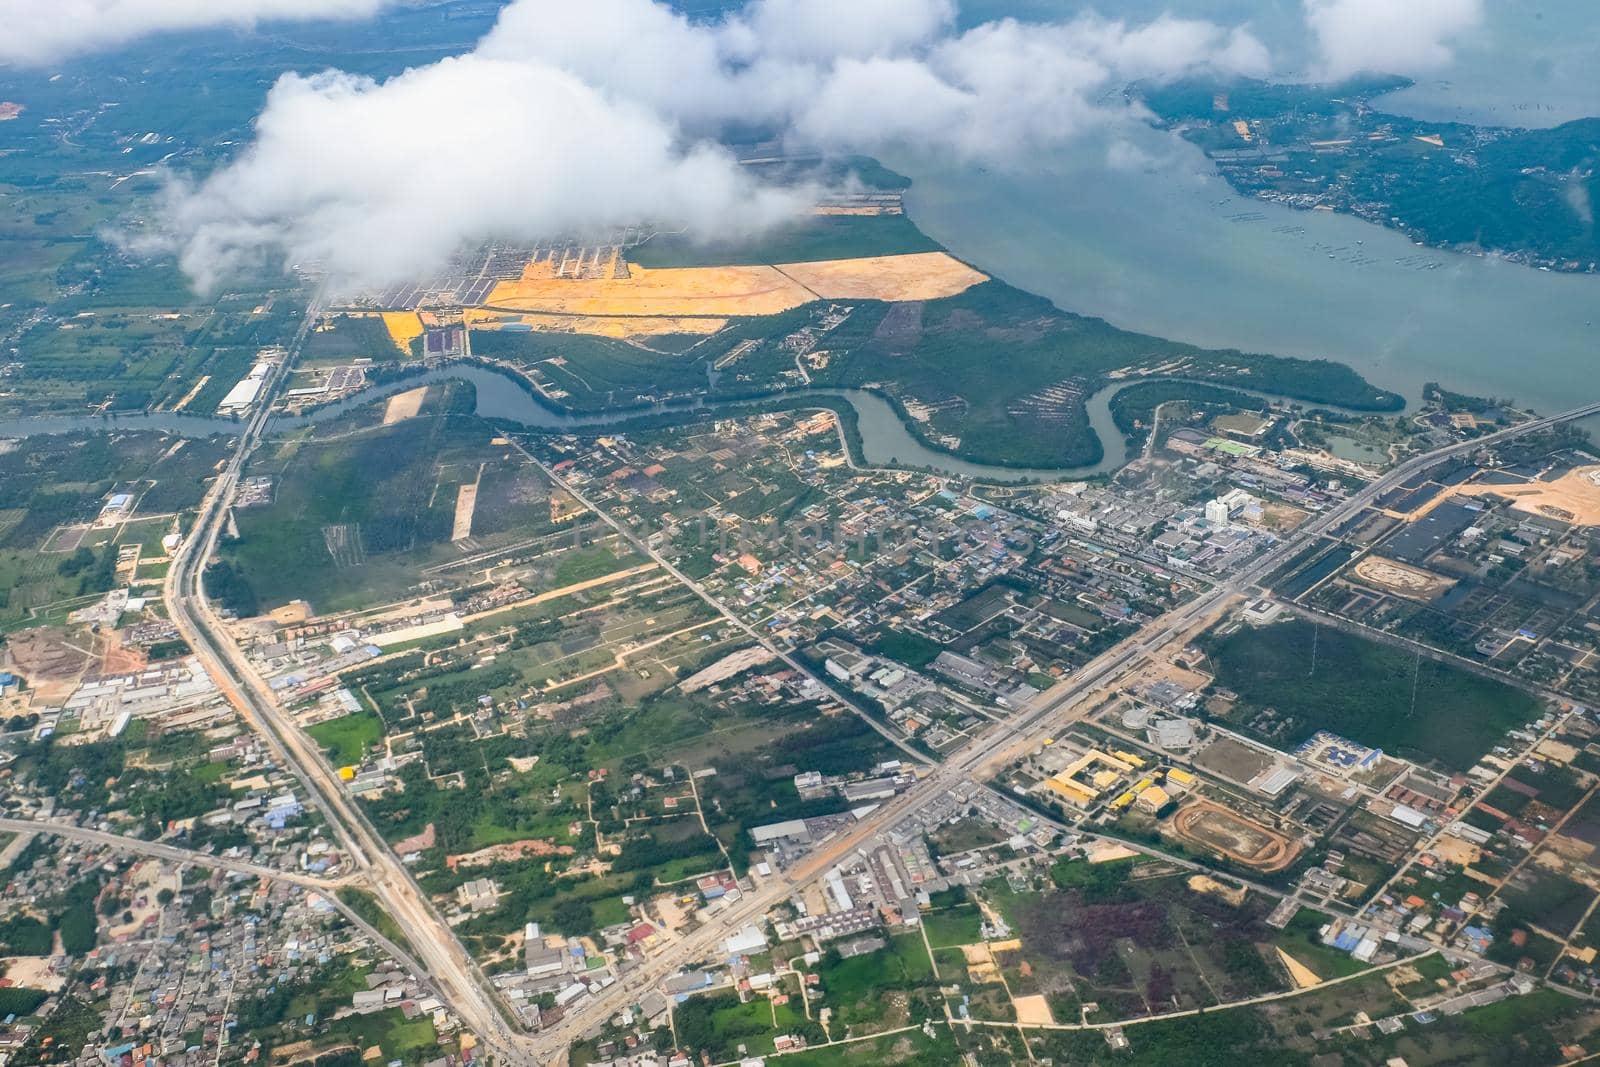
(727, 291)
(678, 291)
(403, 406)
(1573, 497)
(919, 276)
(466, 504)
(1034, 1010)
(622, 329)
(1402, 579)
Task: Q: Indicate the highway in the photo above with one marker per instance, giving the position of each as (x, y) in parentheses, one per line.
(1003, 742)
(459, 981)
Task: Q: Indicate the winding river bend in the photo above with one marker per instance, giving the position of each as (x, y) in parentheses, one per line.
(885, 439)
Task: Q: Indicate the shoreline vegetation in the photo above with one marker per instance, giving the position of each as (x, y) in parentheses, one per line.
(993, 375)
(1523, 195)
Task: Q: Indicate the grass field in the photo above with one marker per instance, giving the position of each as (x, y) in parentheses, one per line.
(903, 964)
(1368, 692)
(348, 737)
(951, 927)
(353, 517)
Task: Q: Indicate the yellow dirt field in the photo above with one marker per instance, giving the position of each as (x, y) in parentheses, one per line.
(1034, 1010)
(1573, 497)
(1302, 976)
(1204, 883)
(709, 291)
(621, 329)
(466, 504)
(404, 327)
(920, 276)
(1454, 850)
(724, 291)
(32, 972)
(980, 964)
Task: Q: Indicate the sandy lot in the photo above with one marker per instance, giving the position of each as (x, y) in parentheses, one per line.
(1109, 852)
(1302, 976)
(33, 972)
(725, 291)
(726, 668)
(980, 964)
(1573, 497)
(403, 406)
(466, 504)
(920, 276)
(1204, 883)
(404, 327)
(1034, 1010)
(692, 291)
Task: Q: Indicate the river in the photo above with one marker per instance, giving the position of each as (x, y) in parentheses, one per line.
(1157, 242)
(885, 439)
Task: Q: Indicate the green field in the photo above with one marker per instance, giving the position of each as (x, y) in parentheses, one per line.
(1371, 693)
(353, 517)
(953, 927)
(903, 965)
(348, 737)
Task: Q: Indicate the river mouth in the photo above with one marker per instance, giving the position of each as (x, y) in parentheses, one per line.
(886, 441)
(1163, 246)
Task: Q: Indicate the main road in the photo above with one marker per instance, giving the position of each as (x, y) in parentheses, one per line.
(459, 980)
(997, 746)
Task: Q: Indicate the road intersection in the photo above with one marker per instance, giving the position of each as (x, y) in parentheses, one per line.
(441, 957)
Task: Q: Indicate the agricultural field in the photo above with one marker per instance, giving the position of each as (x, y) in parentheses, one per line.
(1295, 678)
(55, 548)
(340, 339)
(121, 347)
(355, 518)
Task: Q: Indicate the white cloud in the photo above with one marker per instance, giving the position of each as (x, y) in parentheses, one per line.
(377, 182)
(1387, 36)
(41, 31)
(572, 115)
(824, 30)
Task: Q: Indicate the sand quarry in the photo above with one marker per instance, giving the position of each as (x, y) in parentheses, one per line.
(1573, 497)
(714, 292)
